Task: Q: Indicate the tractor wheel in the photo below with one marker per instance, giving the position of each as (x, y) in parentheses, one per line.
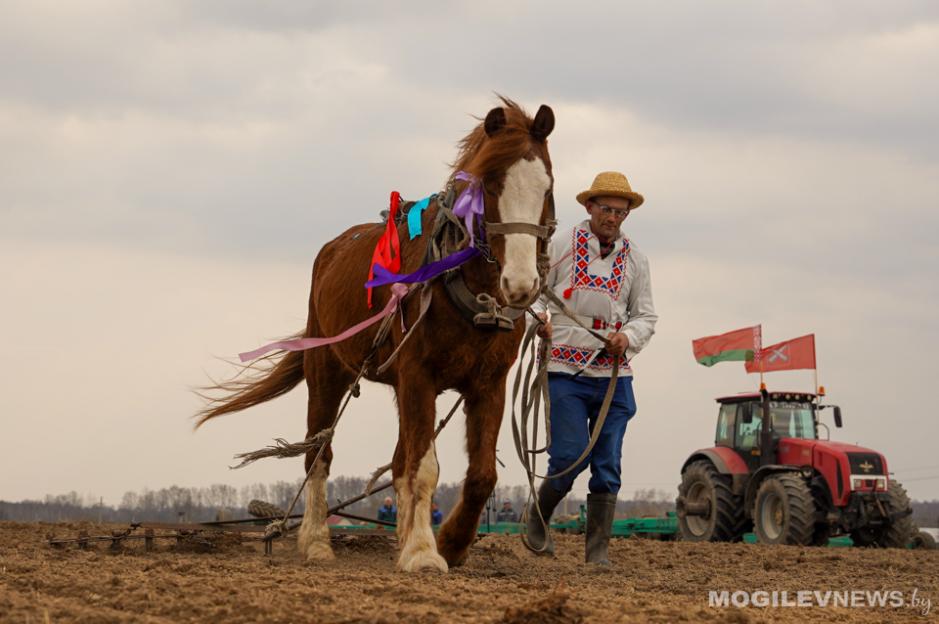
(923, 541)
(898, 533)
(784, 512)
(708, 511)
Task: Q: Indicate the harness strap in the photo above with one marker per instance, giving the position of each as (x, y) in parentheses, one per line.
(538, 231)
(482, 311)
(426, 294)
(450, 233)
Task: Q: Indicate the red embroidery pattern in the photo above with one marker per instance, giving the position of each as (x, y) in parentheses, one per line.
(582, 278)
(578, 356)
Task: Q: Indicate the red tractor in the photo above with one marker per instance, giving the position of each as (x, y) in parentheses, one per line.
(785, 483)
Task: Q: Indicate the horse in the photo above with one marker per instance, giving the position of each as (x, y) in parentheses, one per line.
(507, 154)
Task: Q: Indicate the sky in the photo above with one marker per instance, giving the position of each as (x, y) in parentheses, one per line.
(169, 171)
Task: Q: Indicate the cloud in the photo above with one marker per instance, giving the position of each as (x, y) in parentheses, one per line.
(170, 170)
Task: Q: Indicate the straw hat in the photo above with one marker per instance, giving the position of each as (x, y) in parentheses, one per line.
(611, 184)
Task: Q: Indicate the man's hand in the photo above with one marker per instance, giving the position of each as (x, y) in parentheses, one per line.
(544, 331)
(618, 344)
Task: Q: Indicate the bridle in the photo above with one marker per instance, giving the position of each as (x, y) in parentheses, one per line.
(542, 232)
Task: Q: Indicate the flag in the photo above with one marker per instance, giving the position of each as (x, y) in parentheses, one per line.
(738, 345)
(789, 355)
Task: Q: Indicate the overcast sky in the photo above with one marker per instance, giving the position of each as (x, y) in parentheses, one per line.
(168, 172)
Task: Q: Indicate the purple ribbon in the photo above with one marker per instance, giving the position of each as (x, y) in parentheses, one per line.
(427, 272)
(467, 206)
(470, 203)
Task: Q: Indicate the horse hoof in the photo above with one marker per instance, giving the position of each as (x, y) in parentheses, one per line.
(454, 559)
(423, 560)
(319, 551)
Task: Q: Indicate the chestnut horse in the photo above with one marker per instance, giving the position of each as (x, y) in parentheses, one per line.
(508, 153)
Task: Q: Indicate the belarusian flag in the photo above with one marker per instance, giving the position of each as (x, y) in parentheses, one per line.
(789, 355)
(738, 345)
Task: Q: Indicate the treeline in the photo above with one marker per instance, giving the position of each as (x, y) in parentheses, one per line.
(220, 502)
(926, 513)
(224, 502)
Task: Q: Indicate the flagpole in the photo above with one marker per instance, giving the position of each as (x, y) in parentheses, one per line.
(759, 354)
(817, 391)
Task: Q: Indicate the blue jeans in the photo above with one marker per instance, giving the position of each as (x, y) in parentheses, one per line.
(575, 405)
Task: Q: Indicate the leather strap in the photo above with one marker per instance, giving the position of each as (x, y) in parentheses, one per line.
(477, 308)
(532, 229)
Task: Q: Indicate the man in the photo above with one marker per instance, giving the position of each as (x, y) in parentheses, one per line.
(604, 279)
(436, 516)
(506, 514)
(388, 512)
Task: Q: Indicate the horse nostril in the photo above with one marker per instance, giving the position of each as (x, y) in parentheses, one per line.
(505, 284)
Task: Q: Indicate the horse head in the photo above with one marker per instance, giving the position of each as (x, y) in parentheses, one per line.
(508, 155)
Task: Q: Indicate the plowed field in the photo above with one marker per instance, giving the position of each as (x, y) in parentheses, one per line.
(501, 582)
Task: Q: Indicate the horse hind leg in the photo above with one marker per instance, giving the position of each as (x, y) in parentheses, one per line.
(415, 477)
(313, 538)
(326, 382)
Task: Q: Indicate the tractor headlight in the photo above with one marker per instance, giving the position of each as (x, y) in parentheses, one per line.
(877, 483)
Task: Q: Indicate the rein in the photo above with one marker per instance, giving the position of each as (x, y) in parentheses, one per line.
(536, 390)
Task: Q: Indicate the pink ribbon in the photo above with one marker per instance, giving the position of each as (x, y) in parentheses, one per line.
(398, 292)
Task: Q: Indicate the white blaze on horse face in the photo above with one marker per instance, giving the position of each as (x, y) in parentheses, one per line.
(522, 200)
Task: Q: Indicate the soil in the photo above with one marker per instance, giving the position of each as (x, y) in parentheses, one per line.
(228, 580)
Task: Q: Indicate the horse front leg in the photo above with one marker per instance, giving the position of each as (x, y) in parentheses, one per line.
(484, 407)
(415, 471)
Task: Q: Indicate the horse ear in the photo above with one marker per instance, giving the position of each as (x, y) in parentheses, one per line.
(543, 124)
(495, 119)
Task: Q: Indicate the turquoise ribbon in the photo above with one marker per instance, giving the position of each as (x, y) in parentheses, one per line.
(414, 217)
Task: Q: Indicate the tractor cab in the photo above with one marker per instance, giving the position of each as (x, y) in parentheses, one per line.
(740, 423)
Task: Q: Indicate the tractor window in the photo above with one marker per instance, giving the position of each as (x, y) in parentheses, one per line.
(792, 420)
(748, 433)
(725, 426)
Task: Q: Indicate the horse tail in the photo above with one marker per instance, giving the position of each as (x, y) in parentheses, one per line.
(282, 373)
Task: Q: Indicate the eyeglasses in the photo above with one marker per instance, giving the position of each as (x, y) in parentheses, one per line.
(619, 213)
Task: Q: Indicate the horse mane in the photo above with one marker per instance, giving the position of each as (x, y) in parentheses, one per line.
(486, 157)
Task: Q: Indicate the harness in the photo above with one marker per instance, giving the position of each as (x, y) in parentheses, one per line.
(449, 234)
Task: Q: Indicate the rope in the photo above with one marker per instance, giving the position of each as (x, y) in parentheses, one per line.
(535, 390)
(383, 469)
(282, 448)
(279, 527)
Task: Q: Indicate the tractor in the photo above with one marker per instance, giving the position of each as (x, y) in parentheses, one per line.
(786, 483)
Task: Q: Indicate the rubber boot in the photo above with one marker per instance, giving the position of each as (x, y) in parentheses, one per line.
(600, 511)
(539, 541)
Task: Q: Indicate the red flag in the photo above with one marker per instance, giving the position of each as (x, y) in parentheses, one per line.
(740, 344)
(788, 355)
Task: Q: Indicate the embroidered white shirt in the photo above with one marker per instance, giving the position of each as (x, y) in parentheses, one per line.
(608, 294)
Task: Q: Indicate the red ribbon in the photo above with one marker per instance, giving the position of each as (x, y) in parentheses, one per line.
(388, 249)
